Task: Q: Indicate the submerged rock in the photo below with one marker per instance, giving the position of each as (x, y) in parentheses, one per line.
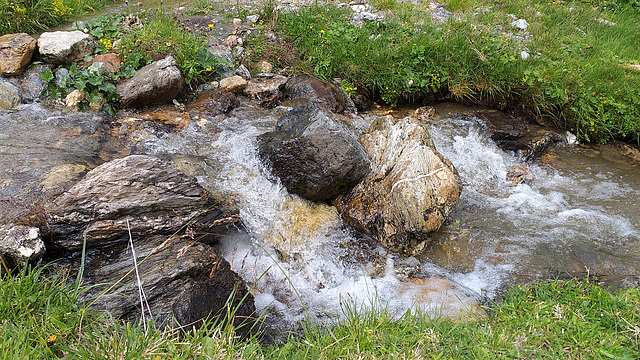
(314, 155)
(410, 191)
(184, 282)
(138, 192)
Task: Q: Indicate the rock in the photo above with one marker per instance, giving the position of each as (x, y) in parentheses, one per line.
(175, 120)
(304, 88)
(214, 102)
(315, 156)
(61, 177)
(221, 52)
(537, 141)
(19, 244)
(74, 98)
(521, 24)
(29, 84)
(110, 61)
(264, 66)
(9, 98)
(16, 51)
(518, 174)
(410, 191)
(144, 191)
(262, 88)
(184, 282)
(424, 113)
(362, 100)
(64, 47)
(231, 41)
(235, 84)
(156, 83)
(244, 72)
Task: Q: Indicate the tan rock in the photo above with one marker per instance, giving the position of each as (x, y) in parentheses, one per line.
(265, 67)
(74, 98)
(16, 51)
(235, 84)
(518, 174)
(261, 88)
(409, 192)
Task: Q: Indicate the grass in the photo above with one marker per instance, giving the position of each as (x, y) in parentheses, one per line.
(42, 317)
(32, 16)
(573, 77)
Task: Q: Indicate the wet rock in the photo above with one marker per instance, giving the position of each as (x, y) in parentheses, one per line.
(518, 174)
(410, 191)
(64, 47)
(9, 98)
(424, 113)
(631, 152)
(537, 141)
(138, 192)
(261, 88)
(175, 120)
(304, 88)
(362, 100)
(16, 51)
(315, 156)
(504, 128)
(156, 83)
(214, 102)
(61, 177)
(110, 61)
(234, 84)
(184, 282)
(19, 244)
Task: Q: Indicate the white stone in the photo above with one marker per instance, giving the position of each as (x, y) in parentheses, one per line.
(63, 47)
(521, 24)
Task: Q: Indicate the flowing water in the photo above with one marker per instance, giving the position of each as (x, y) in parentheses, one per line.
(578, 215)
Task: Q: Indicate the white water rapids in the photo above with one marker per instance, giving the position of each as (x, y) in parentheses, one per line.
(304, 263)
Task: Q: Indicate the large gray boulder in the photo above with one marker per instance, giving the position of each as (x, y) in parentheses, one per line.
(138, 192)
(314, 155)
(410, 191)
(16, 51)
(156, 83)
(9, 97)
(184, 282)
(64, 47)
(20, 244)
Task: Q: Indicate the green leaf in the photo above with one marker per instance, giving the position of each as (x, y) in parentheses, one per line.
(47, 75)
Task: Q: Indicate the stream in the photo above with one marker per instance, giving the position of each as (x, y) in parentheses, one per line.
(578, 215)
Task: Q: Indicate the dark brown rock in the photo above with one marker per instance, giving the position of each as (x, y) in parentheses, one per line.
(184, 281)
(214, 102)
(304, 88)
(110, 61)
(16, 51)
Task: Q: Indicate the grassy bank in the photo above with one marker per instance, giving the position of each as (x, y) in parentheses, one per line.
(568, 68)
(42, 318)
(32, 16)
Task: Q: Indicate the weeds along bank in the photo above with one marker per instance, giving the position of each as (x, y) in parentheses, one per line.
(571, 64)
(41, 318)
